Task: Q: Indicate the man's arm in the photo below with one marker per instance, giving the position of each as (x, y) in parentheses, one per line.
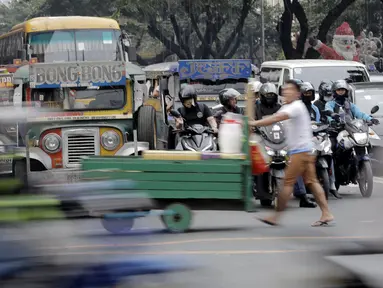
(277, 117)
(210, 118)
(329, 107)
(359, 114)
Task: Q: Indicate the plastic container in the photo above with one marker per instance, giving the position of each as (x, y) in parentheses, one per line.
(230, 134)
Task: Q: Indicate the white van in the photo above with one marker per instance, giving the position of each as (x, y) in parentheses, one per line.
(313, 71)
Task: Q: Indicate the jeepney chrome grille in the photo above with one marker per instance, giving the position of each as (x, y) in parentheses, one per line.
(79, 146)
(79, 142)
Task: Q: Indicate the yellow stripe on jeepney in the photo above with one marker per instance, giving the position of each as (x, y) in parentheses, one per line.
(129, 94)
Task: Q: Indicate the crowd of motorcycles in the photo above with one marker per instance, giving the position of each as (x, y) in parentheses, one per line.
(350, 157)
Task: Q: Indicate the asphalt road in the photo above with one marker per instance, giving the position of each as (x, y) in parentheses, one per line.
(228, 249)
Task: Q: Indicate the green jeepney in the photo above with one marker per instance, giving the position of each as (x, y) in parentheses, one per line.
(91, 108)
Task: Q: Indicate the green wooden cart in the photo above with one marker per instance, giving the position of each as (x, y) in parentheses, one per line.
(183, 186)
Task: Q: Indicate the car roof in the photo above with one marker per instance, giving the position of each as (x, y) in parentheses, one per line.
(311, 63)
(367, 85)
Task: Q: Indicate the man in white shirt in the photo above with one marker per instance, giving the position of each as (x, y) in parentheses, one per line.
(302, 163)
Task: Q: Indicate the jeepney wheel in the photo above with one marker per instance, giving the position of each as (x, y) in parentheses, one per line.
(147, 126)
(20, 173)
(117, 225)
(179, 220)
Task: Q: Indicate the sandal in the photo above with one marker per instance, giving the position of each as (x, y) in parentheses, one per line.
(320, 223)
(268, 222)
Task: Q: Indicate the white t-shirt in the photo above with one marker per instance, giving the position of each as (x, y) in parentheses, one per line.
(298, 127)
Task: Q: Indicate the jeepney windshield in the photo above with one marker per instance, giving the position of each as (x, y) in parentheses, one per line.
(76, 45)
(6, 96)
(83, 99)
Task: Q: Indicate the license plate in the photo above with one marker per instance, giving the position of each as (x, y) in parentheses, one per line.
(73, 177)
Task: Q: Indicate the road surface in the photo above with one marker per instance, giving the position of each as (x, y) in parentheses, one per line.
(229, 248)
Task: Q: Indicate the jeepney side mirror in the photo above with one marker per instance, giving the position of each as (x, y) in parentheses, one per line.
(22, 54)
(163, 89)
(132, 53)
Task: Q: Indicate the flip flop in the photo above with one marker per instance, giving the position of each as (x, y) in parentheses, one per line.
(267, 222)
(320, 223)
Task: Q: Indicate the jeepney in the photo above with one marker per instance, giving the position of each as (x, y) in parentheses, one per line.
(90, 112)
(217, 74)
(207, 89)
(8, 131)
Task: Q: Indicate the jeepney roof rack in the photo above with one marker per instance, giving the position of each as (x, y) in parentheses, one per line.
(171, 68)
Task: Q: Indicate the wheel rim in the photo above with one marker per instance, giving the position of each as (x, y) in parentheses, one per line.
(181, 219)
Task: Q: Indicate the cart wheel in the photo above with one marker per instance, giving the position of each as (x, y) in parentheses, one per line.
(180, 221)
(117, 225)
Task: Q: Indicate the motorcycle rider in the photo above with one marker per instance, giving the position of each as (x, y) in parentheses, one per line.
(255, 86)
(308, 95)
(228, 99)
(192, 111)
(340, 89)
(268, 105)
(325, 95)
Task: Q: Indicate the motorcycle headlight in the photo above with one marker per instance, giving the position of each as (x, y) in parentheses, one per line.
(51, 143)
(269, 151)
(360, 138)
(110, 140)
(283, 152)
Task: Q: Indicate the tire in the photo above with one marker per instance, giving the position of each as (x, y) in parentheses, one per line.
(117, 225)
(147, 126)
(366, 170)
(20, 173)
(324, 180)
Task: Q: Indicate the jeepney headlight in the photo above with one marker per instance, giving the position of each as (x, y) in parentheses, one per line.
(110, 140)
(51, 143)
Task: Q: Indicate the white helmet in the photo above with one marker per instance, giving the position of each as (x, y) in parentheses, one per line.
(255, 86)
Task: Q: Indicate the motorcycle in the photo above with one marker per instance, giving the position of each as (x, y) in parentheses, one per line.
(323, 152)
(351, 158)
(270, 184)
(195, 137)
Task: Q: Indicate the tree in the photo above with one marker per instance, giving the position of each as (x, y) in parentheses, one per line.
(294, 8)
(193, 29)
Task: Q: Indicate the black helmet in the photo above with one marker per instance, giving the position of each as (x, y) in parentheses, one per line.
(268, 94)
(306, 87)
(226, 94)
(187, 92)
(340, 84)
(325, 89)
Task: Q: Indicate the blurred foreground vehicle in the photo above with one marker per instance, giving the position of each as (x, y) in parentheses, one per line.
(358, 267)
(23, 260)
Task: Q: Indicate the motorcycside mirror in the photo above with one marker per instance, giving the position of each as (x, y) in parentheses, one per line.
(374, 109)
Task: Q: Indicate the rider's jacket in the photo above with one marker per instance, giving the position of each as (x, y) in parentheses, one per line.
(320, 104)
(314, 113)
(262, 110)
(223, 110)
(349, 108)
(197, 114)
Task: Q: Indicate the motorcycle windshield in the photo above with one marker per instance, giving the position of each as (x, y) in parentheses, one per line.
(197, 128)
(274, 133)
(356, 126)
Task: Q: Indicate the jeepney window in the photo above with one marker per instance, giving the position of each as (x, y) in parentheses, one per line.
(286, 75)
(6, 97)
(76, 45)
(80, 98)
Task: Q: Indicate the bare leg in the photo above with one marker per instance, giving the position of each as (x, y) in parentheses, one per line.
(283, 198)
(320, 198)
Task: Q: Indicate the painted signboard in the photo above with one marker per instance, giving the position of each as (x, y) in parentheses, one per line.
(215, 69)
(6, 81)
(77, 74)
